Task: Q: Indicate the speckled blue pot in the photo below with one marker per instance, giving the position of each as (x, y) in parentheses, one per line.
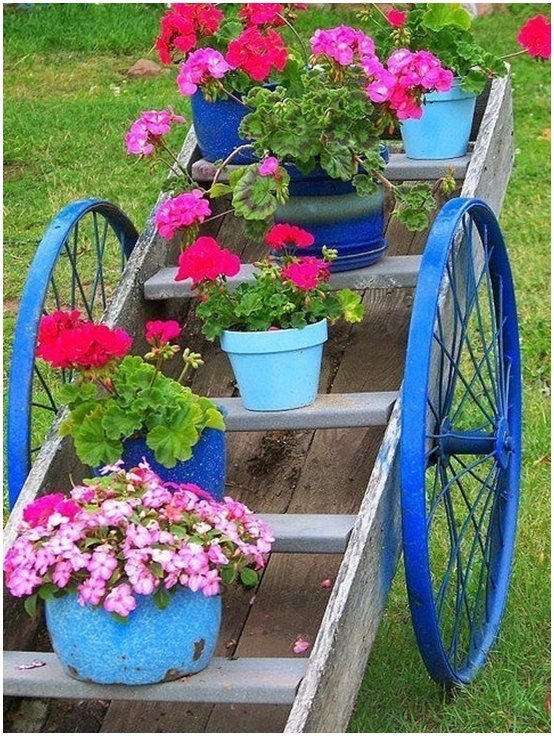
(443, 130)
(154, 646)
(206, 467)
(337, 217)
(216, 126)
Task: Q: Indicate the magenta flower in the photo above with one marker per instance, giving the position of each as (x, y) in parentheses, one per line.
(146, 132)
(300, 645)
(23, 581)
(202, 66)
(91, 591)
(269, 166)
(181, 211)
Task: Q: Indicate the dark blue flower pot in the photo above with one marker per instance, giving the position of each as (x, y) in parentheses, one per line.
(216, 126)
(153, 646)
(337, 217)
(206, 467)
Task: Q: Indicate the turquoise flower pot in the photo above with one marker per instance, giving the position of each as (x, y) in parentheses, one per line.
(278, 369)
(153, 646)
(443, 130)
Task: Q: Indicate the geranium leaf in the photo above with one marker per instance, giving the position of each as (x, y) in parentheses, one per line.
(441, 15)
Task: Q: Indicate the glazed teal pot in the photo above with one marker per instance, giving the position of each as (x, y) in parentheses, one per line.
(153, 646)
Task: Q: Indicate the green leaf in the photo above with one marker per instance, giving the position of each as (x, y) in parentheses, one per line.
(119, 619)
(441, 15)
(351, 305)
(173, 441)
(161, 598)
(47, 591)
(156, 569)
(219, 190)
(118, 421)
(248, 577)
(178, 531)
(30, 604)
(414, 202)
(365, 185)
(253, 195)
(92, 444)
(227, 574)
(338, 161)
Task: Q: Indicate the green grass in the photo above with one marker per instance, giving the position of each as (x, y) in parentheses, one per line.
(67, 105)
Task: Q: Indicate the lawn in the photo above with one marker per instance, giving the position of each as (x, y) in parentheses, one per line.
(68, 102)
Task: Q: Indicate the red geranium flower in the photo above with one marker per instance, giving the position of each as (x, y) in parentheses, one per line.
(397, 18)
(204, 260)
(534, 37)
(65, 340)
(288, 236)
(181, 27)
(257, 53)
(162, 331)
(306, 273)
(259, 14)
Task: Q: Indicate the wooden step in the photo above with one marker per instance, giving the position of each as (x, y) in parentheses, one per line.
(390, 272)
(329, 411)
(248, 680)
(399, 168)
(310, 533)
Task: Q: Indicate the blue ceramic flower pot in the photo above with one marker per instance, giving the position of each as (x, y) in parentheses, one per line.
(206, 467)
(153, 646)
(278, 369)
(337, 217)
(216, 127)
(443, 130)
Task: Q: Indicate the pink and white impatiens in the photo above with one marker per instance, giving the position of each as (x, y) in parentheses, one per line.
(128, 534)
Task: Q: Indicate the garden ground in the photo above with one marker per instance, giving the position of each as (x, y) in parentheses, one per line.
(67, 103)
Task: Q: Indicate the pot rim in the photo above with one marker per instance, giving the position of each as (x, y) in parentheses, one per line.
(274, 341)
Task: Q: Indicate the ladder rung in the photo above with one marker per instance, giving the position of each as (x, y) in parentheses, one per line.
(310, 533)
(399, 168)
(247, 680)
(390, 272)
(368, 409)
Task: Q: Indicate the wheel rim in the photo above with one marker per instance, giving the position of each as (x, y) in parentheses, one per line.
(460, 448)
(77, 265)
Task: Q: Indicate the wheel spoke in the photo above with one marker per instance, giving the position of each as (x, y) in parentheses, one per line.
(46, 388)
(447, 486)
(76, 279)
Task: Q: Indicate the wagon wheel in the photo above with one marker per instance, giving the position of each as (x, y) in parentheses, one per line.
(461, 441)
(76, 266)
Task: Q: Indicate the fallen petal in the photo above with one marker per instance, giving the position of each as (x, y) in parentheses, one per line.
(327, 583)
(31, 666)
(300, 645)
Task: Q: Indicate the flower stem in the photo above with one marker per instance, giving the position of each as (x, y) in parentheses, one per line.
(299, 38)
(221, 214)
(228, 160)
(231, 95)
(515, 53)
(177, 162)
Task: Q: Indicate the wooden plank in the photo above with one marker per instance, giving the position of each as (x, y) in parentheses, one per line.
(328, 691)
(491, 165)
(369, 409)
(390, 272)
(399, 168)
(256, 680)
(310, 533)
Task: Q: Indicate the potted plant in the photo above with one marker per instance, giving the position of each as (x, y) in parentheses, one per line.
(272, 329)
(443, 125)
(123, 406)
(221, 56)
(131, 572)
(320, 122)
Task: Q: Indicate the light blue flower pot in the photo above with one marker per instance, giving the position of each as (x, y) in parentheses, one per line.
(153, 646)
(443, 130)
(278, 369)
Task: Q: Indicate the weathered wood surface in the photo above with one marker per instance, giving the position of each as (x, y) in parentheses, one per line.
(399, 168)
(367, 409)
(295, 472)
(391, 272)
(254, 680)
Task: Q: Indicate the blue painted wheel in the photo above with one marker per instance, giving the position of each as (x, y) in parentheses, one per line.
(77, 265)
(461, 441)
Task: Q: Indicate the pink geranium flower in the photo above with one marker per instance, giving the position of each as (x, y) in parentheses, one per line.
(147, 132)
(257, 53)
(306, 273)
(190, 208)
(269, 166)
(283, 235)
(397, 18)
(201, 67)
(160, 332)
